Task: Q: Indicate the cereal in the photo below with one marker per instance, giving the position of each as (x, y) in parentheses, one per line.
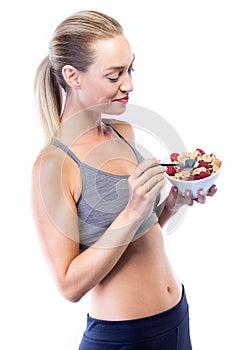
(197, 171)
(208, 164)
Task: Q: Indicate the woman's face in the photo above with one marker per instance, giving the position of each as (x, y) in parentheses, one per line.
(105, 87)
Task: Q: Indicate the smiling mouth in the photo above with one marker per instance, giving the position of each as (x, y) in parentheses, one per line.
(122, 100)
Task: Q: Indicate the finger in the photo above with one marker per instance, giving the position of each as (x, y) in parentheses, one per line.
(153, 181)
(174, 199)
(213, 189)
(145, 165)
(201, 196)
(174, 191)
(188, 198)
(153, 173)
(152, 194)
(149, 176)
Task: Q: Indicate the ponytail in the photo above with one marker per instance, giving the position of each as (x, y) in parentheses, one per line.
(71, 43)
(48, 95)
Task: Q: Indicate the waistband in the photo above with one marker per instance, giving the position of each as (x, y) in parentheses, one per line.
(138, 329)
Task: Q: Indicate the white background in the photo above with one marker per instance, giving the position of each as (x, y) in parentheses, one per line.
(184, 72)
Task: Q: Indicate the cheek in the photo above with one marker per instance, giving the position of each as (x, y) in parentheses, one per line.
(104, 92)
(97, 91)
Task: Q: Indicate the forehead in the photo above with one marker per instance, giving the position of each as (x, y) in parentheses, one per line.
(113, 52)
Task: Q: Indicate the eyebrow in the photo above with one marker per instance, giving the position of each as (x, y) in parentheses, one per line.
(120, 67)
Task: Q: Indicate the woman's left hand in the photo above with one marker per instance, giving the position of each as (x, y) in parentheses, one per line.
(175, 200)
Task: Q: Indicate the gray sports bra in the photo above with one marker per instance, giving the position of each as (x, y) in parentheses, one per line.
(104, 196)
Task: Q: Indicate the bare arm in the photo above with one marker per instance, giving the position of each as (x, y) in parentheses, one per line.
(54, 210)
(175, 201)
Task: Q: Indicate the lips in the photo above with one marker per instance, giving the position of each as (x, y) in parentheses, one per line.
(124, 99)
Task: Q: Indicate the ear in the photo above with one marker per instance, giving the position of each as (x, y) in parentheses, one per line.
(71, 76)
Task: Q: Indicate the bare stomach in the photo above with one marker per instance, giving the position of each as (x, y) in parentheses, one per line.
(141, 284)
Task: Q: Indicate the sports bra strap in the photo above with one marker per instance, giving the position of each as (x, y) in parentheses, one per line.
(75, 158)
(67, 150)
(121, 136)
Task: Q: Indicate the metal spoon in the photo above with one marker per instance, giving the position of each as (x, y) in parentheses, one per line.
(188, 164)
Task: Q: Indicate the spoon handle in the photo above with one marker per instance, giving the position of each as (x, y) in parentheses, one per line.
(172, 164)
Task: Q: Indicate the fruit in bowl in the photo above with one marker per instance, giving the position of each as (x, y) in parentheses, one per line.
(202, 176)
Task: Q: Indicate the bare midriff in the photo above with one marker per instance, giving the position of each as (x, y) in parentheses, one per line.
(142, 284)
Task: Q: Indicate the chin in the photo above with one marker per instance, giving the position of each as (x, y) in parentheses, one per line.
(114, 109)
(111, 109)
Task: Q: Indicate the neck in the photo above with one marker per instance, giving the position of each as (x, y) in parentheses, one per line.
(83, 123)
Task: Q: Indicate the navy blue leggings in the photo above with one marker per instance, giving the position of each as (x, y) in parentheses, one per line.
(168, 330)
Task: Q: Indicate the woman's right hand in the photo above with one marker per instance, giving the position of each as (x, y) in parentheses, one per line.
(145, 183)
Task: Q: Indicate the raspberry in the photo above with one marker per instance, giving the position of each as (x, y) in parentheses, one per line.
(200, 151)
(203, 164)
(173, 156)
(194, 177)
(171, 170)
(203, 174)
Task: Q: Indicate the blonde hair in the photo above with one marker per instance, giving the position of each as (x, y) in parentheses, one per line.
(70, 44)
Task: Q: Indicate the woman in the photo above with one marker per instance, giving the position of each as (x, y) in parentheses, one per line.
(95, 199)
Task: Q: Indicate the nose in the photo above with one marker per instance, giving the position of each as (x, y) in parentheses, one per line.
(127, 85)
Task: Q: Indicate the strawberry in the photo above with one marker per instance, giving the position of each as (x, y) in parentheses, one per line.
(200, 151)
(173, 156)
(171, 170)
(194, 177)
(203, 174)
(203, 164)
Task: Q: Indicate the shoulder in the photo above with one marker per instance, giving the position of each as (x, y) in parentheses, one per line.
(54, 167)
(48, 158)
(44, 174)
(124, 128)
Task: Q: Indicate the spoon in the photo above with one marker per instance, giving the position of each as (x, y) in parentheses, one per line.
(188, 164)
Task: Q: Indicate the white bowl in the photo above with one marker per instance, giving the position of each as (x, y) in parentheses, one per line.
(195, 185)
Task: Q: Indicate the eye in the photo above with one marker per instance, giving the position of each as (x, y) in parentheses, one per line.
(114, 78)
(130, 70)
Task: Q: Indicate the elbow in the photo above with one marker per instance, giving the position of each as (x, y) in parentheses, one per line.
(70, 295)
(71, 298)
(70, 292)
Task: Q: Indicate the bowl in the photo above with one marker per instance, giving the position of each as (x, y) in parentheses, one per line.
(186, 182)
(194, 185)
